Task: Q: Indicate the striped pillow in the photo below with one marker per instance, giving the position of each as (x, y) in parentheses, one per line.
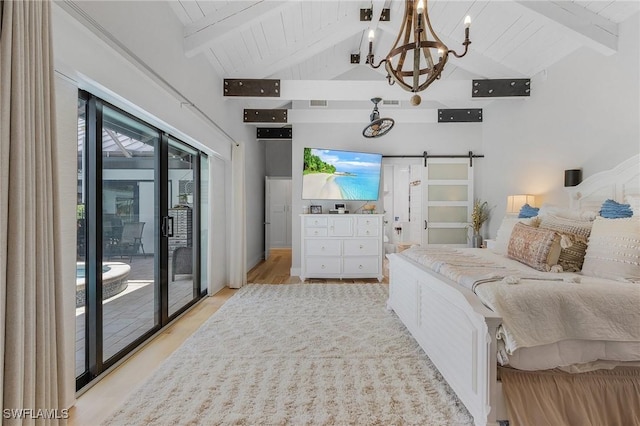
(614, 250)
(535, 247)
(574, 234)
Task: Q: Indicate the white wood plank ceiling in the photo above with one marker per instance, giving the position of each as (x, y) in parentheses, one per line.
(313, 39)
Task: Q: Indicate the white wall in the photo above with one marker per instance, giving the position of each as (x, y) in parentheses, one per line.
(583, 113)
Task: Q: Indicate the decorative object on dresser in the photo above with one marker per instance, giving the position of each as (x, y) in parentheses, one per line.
(572, 177)
(341, 246)
(316, 210)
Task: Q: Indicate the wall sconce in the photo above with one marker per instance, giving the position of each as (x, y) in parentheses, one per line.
(515, 202)
(572, 177)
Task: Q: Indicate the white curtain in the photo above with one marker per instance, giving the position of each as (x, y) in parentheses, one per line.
(31, 317)
(238, 234)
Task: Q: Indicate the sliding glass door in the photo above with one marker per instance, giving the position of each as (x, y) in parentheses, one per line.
(129, 157)
(138, 241)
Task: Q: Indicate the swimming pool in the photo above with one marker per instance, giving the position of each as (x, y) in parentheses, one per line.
(115, 278)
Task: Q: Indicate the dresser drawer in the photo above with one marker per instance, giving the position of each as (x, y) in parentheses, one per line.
(362, 265)
(361, 247)
(367, 231)
(315, 221)
(323, 247)
(322, 265)
(366, 222)
(315, 232)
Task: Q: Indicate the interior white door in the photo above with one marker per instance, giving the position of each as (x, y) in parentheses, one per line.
(278, 214)
(447, 201)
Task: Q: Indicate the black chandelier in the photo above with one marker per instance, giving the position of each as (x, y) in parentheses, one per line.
(417, 42)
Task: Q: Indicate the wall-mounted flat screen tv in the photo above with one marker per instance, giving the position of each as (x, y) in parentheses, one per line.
(330, 174)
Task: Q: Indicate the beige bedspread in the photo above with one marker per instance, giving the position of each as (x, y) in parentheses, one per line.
(542, 312)
(540, 308)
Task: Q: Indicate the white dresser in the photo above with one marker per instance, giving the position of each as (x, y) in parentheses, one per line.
(341, 246)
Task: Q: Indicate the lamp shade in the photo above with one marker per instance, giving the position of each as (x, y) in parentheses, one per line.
(572, 177)
(515, 202)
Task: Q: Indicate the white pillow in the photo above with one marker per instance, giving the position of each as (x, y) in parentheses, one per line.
(614, 250)
(634, 202)
(504, 232)
(549, 209)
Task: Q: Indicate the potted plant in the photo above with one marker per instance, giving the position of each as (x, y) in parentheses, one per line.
(479, 216)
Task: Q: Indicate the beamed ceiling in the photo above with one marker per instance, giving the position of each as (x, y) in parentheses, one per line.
(302, 40)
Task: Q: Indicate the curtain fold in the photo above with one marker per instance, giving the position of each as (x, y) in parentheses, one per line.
(238, 236)
(31, 318)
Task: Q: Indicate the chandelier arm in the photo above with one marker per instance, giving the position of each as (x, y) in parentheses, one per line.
(379, 63)
(466, 49)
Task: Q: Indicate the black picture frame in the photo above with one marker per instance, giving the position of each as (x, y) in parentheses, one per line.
(316, 209)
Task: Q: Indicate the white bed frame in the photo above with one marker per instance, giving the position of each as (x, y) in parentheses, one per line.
(456, 330)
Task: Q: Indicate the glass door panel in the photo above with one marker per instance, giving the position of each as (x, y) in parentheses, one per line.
(204, 223)
(182, 195)
(128, 224)
(82, 365)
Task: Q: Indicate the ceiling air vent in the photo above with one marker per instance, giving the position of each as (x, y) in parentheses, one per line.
(318, 103)
(390, 102)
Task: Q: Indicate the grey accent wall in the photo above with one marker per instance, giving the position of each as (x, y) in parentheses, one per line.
(277, 158)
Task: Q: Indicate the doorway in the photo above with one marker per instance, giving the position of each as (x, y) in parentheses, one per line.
(278, 214)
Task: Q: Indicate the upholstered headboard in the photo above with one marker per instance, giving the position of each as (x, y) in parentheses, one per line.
(615, 184)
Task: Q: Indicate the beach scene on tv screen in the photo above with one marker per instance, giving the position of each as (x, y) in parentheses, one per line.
(340, 175)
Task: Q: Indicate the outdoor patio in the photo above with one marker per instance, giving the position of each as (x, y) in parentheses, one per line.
(130, 314)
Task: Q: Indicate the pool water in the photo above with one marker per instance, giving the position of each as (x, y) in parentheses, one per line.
(80, 270)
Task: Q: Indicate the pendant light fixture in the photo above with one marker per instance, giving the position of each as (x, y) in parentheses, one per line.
(418, 56)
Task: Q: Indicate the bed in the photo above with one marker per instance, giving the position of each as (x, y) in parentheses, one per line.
(459, 317)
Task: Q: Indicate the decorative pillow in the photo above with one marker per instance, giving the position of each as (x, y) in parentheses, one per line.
(504, 233)
(527, 211)
(634, 202)
(535, 247)
(613, 210)
(614, 250)
(574, 234)
(550, 209)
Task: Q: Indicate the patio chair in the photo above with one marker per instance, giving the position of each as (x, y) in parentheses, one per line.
(131, 241)
(182, 262)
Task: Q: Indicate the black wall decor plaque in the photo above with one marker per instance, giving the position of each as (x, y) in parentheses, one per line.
(464, 115)
(503, 87)
(265, 116)
(252, 87)
(274, 133)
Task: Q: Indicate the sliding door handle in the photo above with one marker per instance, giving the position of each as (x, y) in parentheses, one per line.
(425, 224)
(167, 226)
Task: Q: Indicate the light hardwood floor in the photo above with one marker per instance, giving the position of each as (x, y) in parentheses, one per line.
(97, 403)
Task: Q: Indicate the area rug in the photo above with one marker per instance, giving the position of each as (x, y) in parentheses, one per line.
(301, 354)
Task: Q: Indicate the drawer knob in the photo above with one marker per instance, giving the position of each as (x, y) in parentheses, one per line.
(322, 248)
(361, 246)
(315, 232)
(323, 267)
(367, 232)
(360, 267)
